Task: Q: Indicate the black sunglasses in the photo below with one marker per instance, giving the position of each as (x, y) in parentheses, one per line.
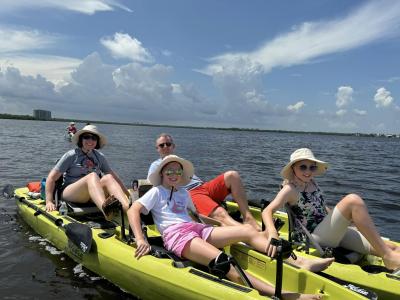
(167, 144)
(312, 168)
(90, 137)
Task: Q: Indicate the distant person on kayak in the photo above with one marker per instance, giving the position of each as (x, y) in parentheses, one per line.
(71, 128)
(329, 227)
(169, 202)
(208, 196)
(87, 175)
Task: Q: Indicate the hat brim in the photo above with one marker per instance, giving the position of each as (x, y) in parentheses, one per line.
(188, 170)
(287, 171)
(102, 138)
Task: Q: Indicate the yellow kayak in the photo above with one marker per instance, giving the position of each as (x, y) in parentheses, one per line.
(368, 272)
(107, 250)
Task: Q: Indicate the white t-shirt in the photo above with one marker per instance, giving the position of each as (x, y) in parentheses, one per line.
(167, 212)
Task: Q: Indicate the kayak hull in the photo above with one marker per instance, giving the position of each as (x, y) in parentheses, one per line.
(157, 278)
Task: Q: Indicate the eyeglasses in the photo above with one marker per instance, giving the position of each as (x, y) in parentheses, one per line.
(171, 172)
(312, 168)
(167, 144)
(89, 137)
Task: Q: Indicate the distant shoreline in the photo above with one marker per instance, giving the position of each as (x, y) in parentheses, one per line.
(28, 117)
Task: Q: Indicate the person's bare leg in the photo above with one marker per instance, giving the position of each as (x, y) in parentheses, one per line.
(202, 252)
(234, 183)
(113, 188)
(85, 189)
(223, 236)
(220, 214)
(354, 209)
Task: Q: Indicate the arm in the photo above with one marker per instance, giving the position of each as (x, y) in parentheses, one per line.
(50, 185)
(284, 195)
(142, 245)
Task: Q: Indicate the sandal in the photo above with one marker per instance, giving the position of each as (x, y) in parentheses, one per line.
(110, 207)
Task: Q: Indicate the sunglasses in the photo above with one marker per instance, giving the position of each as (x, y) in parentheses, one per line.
(312, 168)
(167, 144)
(89, 137)
(171, 172)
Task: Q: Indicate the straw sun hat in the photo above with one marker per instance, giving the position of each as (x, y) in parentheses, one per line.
(93, 130)
(188, 170)
(303, 154)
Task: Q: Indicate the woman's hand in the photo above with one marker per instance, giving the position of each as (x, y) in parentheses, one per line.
(50, 206)
(143, 247)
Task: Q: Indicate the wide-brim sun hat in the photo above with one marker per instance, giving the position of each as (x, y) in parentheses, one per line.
(303, 154)
(188, 170)
(93, 130)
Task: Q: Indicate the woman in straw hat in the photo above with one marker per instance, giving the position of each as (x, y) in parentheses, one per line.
(168, 204)
(330, 228)
(87, 175)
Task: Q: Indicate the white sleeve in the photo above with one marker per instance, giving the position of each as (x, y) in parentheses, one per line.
(149, 199)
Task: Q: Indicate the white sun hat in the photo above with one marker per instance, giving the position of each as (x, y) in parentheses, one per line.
(303, 154)
(93, 130)
(188, 170)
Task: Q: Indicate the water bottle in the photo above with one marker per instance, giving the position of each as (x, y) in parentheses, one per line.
(63, 210)
(43, 189)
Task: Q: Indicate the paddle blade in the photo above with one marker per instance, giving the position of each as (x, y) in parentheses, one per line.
(80, 235)
(8, 191)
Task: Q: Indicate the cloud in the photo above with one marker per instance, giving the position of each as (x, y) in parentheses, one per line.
(360, 112)
(341, 112)
(307, 41)
(56, 69)
(383, 98)
(22, 40)
(344, 96)
(89, 7)
(122, 45)
(296, 107)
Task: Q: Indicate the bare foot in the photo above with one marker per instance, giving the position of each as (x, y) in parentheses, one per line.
(392, 260)
(297, 296)
(314, 264)
(251, 221)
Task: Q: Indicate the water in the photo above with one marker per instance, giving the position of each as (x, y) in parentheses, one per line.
(365, 165)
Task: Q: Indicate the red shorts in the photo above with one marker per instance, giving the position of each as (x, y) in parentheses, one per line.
(208, 196)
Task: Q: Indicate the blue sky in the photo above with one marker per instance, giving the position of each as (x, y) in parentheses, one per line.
(312, 65)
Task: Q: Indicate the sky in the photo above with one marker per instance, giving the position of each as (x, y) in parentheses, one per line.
(306, 65)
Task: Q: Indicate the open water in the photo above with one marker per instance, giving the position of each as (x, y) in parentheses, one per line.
(31, 269)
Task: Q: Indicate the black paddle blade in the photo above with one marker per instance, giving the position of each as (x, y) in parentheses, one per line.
(80, 235)
(8, 191)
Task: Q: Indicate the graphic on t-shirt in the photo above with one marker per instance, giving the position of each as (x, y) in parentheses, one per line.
(177, 206)
(89, 165)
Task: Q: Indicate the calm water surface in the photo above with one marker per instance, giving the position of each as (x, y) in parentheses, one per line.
(364, 165)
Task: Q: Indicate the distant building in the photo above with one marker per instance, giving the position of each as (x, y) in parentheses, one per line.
(39, 114)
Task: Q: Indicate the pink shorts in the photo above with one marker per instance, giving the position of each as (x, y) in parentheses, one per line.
(177, 236)
(208, 196)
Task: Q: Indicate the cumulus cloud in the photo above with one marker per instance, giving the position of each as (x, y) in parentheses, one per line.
(344, 96)
(88, 7)
(360, 112)
(296, 107)
(383, 98)
(122, 45)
